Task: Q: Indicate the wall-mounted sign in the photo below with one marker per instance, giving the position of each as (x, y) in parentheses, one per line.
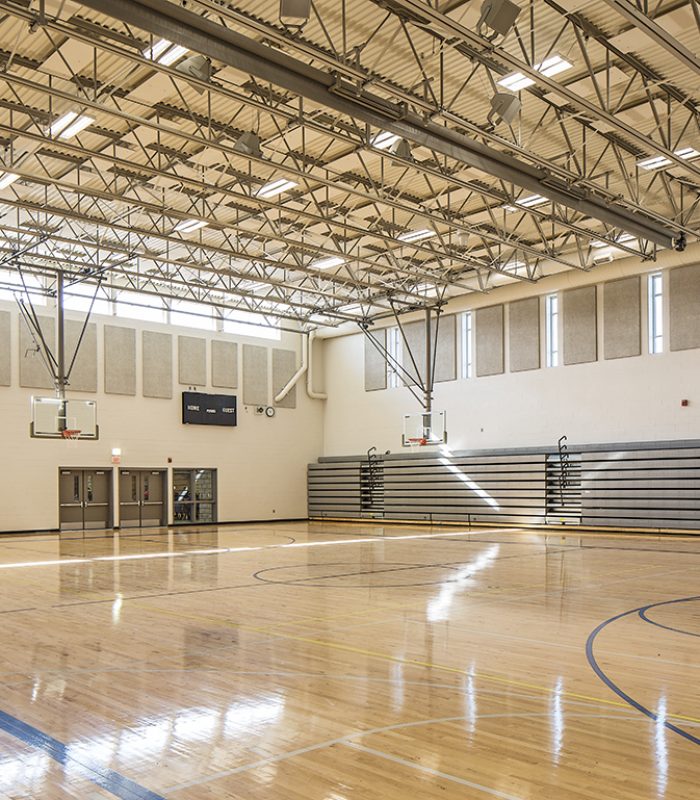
(208, 409)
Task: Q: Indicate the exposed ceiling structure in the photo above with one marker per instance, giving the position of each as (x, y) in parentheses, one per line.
(352, 165)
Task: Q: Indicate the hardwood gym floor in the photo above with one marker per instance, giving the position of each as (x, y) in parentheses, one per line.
(318, 661)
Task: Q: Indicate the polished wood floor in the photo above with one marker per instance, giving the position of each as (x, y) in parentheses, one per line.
(343, 662)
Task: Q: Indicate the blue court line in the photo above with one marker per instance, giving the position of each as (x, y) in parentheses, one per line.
(106, 779)
(614, 687)
(643, 615)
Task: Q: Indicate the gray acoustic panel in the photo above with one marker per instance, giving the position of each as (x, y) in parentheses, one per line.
(622, 318)
(33, 373)
(524, 334)
(5, 361)
(224, 364)
(375, 365)
(83, 374)
(445, 354)
(157, 364)
(580, 337)
(120, 360)
(489, 340)
(684, 307)
(255, 383)
(192, 360)
(284, 365)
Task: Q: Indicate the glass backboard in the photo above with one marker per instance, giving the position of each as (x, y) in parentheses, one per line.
(51, 417)
(424, 428)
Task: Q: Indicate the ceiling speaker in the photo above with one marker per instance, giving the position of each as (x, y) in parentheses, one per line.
(295, 13)
(504, 107)
(499, 15)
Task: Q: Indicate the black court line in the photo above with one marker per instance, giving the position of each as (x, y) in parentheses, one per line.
(590, 655)
(643, 615)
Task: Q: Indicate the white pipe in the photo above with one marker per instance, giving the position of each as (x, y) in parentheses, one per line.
(309, 374)
(294, 379)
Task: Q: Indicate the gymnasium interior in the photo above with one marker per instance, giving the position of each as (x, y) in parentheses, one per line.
(350, 393)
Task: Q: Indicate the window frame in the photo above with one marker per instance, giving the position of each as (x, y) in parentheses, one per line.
(551, 330)
(655, 313)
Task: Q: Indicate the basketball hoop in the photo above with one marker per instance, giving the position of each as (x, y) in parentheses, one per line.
(419, 441)
(71, 434)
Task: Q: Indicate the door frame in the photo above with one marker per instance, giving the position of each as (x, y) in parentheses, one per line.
(109, 473)
(166, 492)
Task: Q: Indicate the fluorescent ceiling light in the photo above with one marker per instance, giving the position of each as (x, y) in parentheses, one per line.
(172, 55)
(550, 66)
(527, 202)
(189, 225)
(656, 162)
(415, 236)
(623, 238)
(328, 263)
(70, 124)
(275, 187)
(426, 288)
(6, 178)
(157, 49)
(384, 140)
(60, 124)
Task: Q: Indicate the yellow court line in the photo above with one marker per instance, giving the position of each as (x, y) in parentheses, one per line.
(407, 661)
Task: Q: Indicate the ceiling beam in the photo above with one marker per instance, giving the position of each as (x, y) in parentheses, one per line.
(229, 47)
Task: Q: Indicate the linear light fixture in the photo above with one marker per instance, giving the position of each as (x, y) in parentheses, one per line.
(70, 124)
(531, 201)
(7, 178)
(656, 162)
(164, 52)
(274, 188)
(415, 236)
(623, 238)
(384, 140)
(550, 66)
(172, 55)
(328, 263)
(190, 225)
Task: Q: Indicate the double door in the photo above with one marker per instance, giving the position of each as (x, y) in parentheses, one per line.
(142, 498)
(85, 499)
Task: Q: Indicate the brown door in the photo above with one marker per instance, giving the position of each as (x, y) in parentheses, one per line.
(85, 498)
(152, 497)
(97, 493)
(141, 497)
(70, 499)
(129, 498)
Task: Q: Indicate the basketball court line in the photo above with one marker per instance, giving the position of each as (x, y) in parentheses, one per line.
(108, 779)
(623, 715)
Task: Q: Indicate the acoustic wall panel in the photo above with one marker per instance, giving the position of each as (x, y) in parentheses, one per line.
(5, 361)
(284, 365)
(120, 360)
(33, 373)
(684, 307)
(157, 365)
(375, 365)
(255, 383)
(445, 354)
(192, 360)
(622, 318)
(524, 334)
(580, 337)
(83, 375)
(489, 340)
(224, 364)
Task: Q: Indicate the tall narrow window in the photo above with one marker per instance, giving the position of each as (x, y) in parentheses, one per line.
(467, 343)
(656, 313)
(395, 354)
(552, 329)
